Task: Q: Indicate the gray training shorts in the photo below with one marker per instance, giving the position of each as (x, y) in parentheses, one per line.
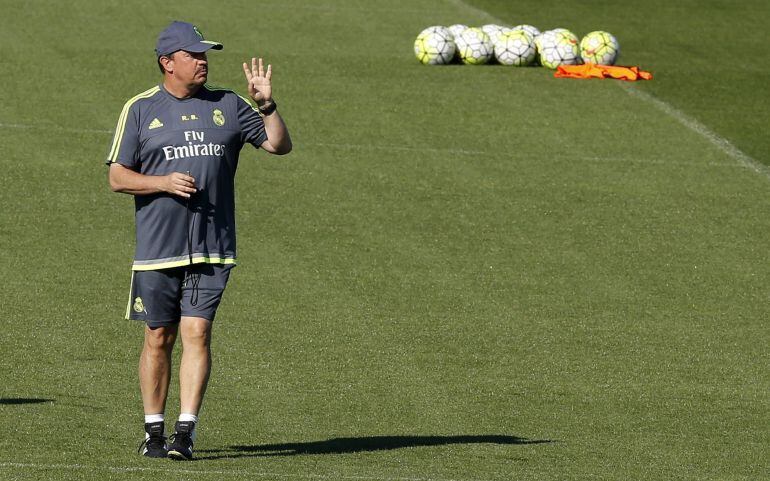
(161, 297)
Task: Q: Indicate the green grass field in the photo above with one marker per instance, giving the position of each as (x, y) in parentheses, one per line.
(460, 273)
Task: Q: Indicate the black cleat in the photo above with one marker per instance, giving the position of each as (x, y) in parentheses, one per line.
(154, 444)
(181, 447)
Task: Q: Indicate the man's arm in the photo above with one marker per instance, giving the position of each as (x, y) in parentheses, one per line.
(278, 140)
(123, 179)
(261, 91)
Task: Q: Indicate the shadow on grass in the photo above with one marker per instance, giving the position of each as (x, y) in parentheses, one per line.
(23, 400)
(360, 444)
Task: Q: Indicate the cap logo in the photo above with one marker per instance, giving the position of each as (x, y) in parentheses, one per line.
(198, 32)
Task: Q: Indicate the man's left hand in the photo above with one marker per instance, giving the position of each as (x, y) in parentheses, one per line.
(259, 84)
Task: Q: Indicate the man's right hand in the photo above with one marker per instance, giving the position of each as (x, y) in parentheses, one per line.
(179, 184)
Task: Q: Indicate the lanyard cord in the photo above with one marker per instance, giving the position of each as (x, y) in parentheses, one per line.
(194, 278)
(189, 226)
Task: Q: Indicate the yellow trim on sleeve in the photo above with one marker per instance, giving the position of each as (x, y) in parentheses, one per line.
(248, 102)
(122, 121)
(254, 107)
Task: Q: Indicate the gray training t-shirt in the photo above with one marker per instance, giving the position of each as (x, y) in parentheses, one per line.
(158, 134)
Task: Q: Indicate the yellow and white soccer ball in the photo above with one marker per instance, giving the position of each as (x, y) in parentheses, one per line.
(549, 34)
(434, 46)
(456, 29)
(558, 47)
(515, 47)
(567, 33)
(474, 47)
(493, 31)
(532, 31)
(599, 47)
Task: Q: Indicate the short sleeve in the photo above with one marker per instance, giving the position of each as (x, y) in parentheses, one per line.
(125, 143)
(252, 126)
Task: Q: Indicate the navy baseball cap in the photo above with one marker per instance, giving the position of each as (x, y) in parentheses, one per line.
(183, 36)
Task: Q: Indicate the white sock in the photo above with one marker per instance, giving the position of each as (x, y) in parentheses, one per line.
(153, 418)
(188, 417)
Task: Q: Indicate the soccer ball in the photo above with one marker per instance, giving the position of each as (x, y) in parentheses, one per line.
(600, 48)
(549, 34)
(456, 29)
(493, 31)
(434, 46)
(434, 28)
(474, 46)
(567, 33)
(532, 31)
(516, 47)
(558, 47)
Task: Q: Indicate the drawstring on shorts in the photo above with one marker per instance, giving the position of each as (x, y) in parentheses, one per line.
(192, 280)
(193, 277)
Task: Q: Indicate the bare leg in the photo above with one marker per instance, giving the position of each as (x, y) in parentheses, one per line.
(196, 363)
(155, 367)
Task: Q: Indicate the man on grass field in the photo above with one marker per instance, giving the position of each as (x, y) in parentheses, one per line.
(176, 150)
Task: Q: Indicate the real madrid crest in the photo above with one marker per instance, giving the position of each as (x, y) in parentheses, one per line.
(138, 305)
(218, 117)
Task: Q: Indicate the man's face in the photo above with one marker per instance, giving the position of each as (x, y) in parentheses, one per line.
(190, 68)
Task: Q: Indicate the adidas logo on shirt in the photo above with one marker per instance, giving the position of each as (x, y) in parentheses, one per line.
(155, 124)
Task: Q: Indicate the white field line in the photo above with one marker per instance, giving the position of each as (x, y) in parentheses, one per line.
(218, 472)
(365, 7)
(592, 159)
(398, 148)
(693, 124)
(477, 11)
(640, 160)
(317, 144)
(55, 128)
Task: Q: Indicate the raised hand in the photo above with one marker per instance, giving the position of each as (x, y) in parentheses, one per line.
(259, 81)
